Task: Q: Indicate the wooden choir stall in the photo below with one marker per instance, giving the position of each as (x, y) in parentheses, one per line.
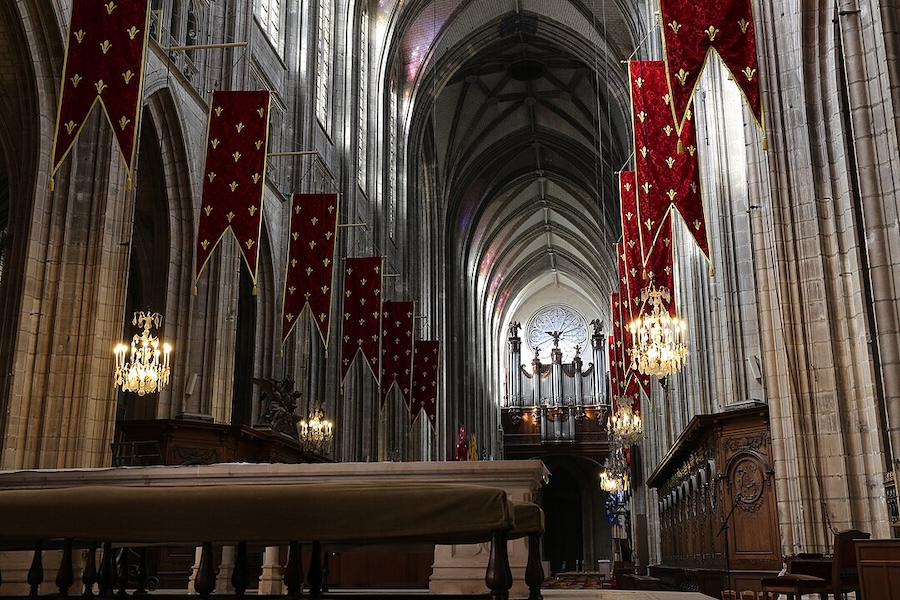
(719, 471)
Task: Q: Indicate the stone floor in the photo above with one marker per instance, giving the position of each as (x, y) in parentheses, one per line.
(588, 594)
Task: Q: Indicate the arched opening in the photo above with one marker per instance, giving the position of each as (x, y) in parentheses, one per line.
(563, 537)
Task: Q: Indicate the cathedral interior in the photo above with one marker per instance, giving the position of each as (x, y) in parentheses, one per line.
(475, 149)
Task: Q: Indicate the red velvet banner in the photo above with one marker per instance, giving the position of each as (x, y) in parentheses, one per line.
(362, 313)
(425, 379)
(615, 386)
(631, 381)
(234, 175)
(310, 266)
(630, 261)
(104, 62)
(690, 30)
(397, 321)
(665, 177)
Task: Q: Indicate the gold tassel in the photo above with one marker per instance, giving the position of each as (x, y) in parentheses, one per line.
(254, 289)
(326, 353)
(712, 272)
(128, 183)
(195, 290)
(680, 147)
(765, 143)
(50, 185)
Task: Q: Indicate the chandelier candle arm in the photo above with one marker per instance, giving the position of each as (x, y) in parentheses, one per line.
(658, 339)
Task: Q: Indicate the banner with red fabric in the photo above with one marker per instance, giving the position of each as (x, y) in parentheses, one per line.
(630, 302)
(234, 175)
(615, 387)
(397, 320)
(666, 177)
(362, 313)
(425, 379)
(628, 251)
(104, 63)
(690, 30)
(310, 265)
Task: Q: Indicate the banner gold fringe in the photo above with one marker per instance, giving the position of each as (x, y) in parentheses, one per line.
(254, 289)
(680, 149)
(128, 183)
(195, 290)
(50, 184)
(765, 143)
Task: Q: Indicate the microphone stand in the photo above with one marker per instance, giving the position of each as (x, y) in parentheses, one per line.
(724, 528)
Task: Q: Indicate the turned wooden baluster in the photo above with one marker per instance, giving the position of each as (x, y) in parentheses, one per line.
(534, 571)
(497, 577)
(293, 571)
(65, 575)
(141, 574)
(240, 576)
(89, 573)
(205, 578)
(106, 577)
(36, 571)
(122, 572)
(315, 571)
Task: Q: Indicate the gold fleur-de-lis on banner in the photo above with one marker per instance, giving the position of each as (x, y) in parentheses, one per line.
(667, 98)
(671, 195)
(743, 24)
(639, 82)
(233, 185)
(649, 224)
(628, 187)
(236, 156)
(312, 244)
(712, 32)
(218, 110)
(629, 215)
(327, 235)
(261, 111)
(646, 187)
(749, 73)
(293, 262)
(696, 224)
(324, 289)
(258, 144)
(670, 161)
(204, 244)
(692, 149)
(252, 210)
(105, 46)
(239, 127)
(309, 271)
(292, 289)
(79, 35)
(322, 317)
(100, 86)
(331, 209)
(70, 126)
(255, 178)
(682, 76)
(314, 220)
(326, 262)
(214, 143)
(675, 26)
(295, 235)
(207, 209)
(132, 32)
(127, 76)
(110, 6)
(694, 187)
(644, 151)
(229, 216)
(688, 115)
(297, 209)
(642, 116)
(630, 245)
(123, 123)
(76, 79)
(249, 243)
(289, 316)
(668, 129)
(211, 176)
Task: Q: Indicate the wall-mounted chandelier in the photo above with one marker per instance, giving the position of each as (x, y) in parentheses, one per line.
(147, 371)
(625, 423)
(658, 346)
(315, 431)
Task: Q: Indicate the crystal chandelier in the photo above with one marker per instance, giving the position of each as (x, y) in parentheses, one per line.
(607, 482)
(315, 431)
(148, 369)
(625, 423)
(658, 346)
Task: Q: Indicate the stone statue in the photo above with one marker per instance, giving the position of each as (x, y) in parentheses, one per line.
(514, 329)
(277, 404)
(597, 324)
(462, 449)
(555, 335)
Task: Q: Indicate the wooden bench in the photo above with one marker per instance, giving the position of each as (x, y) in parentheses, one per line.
(356, 513)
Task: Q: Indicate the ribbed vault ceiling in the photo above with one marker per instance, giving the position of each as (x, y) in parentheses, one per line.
(523, 107)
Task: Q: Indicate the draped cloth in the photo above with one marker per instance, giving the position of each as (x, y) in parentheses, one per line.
(363, 279)
(104, 63)
(666, 177)
(310, 265)
(425, 379)
(397, 321)
(690, 30)
(234, 175)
